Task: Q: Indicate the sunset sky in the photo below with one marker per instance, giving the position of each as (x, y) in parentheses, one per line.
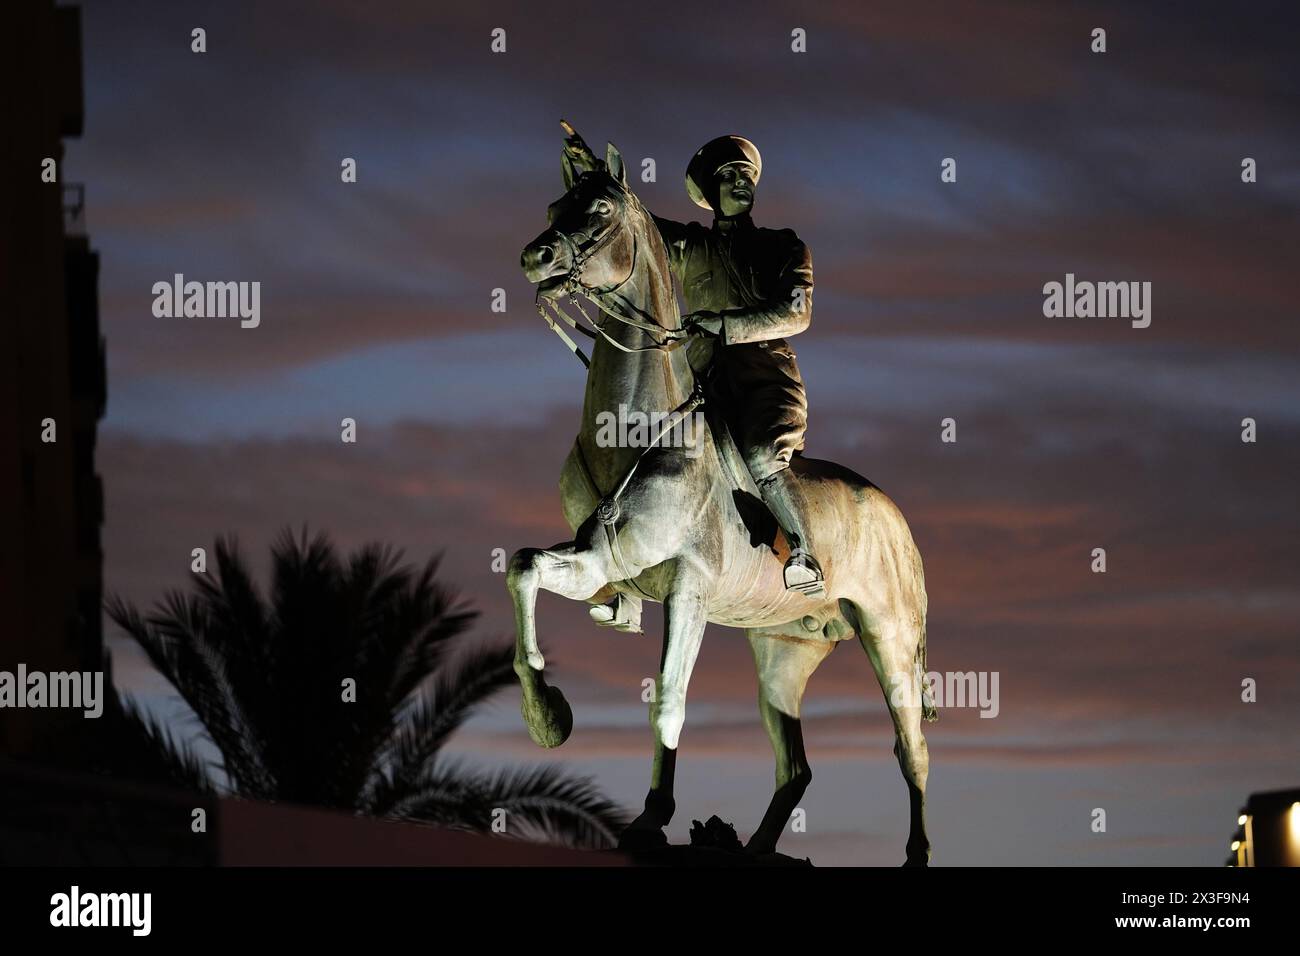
(1118, 690)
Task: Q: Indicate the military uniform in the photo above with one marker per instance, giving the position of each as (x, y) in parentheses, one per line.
(758, 285)
(760, 282)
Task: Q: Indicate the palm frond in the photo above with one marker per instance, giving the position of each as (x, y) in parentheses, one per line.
(428, 617)
(175, 640)
(263, 677)
(144, 748)
(541, 803)
(425, 723)
(401, 625)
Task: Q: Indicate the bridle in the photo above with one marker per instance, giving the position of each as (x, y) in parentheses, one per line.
(608, 511)
(620, 308)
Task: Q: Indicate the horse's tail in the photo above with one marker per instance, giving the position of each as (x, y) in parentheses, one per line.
(929, 712)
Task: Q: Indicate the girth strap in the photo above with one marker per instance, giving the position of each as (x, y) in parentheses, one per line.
(608, 510)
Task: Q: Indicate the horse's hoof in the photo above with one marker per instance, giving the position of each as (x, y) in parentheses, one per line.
(551, 722)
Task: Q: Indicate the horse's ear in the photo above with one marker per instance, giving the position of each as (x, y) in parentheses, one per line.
(570, 174)
(614, 163)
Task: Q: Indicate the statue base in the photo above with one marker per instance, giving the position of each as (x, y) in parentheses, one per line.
(713, 844)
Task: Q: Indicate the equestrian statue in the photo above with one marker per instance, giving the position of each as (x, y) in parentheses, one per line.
(739, 529)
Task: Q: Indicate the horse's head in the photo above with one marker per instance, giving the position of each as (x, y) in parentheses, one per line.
(591, 241)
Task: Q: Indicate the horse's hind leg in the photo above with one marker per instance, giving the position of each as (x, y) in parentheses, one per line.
(784, 665)
(893, 652)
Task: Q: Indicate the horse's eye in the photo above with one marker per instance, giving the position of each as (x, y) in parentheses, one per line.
(603, 207)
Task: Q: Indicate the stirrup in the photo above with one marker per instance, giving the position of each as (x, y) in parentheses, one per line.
(803, 574)
(623, 614)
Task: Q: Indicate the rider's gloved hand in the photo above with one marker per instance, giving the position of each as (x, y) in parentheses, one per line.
(702, 323)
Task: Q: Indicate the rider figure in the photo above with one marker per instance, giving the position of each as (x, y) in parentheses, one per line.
(749, 287)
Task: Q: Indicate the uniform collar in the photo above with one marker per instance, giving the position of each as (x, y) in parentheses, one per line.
(728, 226)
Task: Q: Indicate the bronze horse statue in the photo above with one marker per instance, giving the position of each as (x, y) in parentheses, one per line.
(676, 525)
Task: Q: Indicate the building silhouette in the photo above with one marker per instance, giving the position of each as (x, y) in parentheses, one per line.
(51, 371)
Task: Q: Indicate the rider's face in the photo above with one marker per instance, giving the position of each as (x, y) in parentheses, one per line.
(735, 189)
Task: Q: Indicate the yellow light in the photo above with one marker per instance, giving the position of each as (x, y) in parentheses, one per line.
(1241, 820)
(1293, 822)
(1236, 845)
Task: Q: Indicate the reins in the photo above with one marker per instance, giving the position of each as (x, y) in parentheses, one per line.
(662, 340)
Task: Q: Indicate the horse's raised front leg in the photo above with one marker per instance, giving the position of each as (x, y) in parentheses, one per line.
(571, 572)
(685, 615)
(784, 665)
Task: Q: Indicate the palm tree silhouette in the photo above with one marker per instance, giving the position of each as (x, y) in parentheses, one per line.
(265, 678)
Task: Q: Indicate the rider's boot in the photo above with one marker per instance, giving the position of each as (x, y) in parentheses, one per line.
(788, 503)
(623, 613)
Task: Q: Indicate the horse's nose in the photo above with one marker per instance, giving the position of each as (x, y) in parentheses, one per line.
(539, 261)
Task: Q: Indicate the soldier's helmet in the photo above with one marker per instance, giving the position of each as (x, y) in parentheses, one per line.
(712, 156)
